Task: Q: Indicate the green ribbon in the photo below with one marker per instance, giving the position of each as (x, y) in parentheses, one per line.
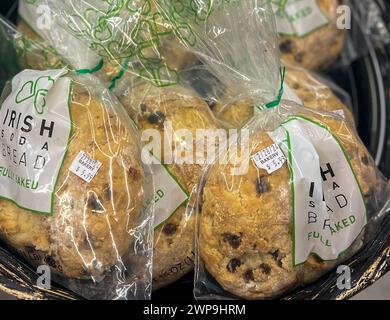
(119, 75)
(276, 102)
(93, 70)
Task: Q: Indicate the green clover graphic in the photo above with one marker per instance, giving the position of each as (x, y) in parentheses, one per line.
(280, 5)
(36, 90)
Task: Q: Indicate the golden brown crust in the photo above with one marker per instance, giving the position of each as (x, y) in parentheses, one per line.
(245, 227)
(89, 229)
(152, 107)
(319, 49)
(314, 95)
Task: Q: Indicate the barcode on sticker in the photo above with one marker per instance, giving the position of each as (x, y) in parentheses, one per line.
(85, 167)
(271, 158)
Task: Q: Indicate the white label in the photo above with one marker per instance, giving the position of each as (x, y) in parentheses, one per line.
(166, 196)
(270, 158)
(298, 17)
(35, 128)
(329, 211)
(85, 167)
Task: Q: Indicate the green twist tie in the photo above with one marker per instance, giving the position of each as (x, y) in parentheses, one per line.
(93, 70)
(276, 102)
(119, 75)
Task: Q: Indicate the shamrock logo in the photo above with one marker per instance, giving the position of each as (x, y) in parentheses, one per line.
(36, 90)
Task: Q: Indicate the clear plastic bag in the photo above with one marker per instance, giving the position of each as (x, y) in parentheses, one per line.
(298, 193)
(108, 38)
(170, 113)
(249, 229)
(20, 52)
(72, 179)
(313, 34)
(301, 86)
(143, 44)
(41, 23)
(260, 84)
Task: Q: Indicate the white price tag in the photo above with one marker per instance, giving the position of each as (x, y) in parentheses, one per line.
(85, 167)
(271, 158)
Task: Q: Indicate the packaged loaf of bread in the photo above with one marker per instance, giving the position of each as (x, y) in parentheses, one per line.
(296, 193)
(168, 119)
(148, 85)
(72, 183)
(311, 32)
